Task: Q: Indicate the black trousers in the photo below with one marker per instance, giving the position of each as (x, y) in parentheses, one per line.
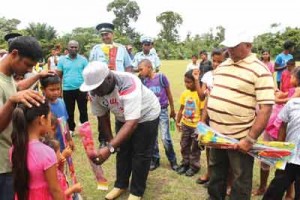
(282, 180)
(135, 156)
(70, 97)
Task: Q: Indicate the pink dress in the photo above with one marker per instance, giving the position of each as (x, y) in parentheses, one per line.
(63, 182)
(40, 158)
(274, 122)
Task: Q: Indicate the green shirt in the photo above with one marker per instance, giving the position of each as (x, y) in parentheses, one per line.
(7, 89)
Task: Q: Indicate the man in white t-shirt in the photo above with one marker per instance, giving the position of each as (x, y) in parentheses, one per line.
(194, 64)
(136, 109)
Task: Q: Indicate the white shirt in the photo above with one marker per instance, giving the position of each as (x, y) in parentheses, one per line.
(129, 100)
(192, 66)
(208, 79)
(290, 114)
(53, 66)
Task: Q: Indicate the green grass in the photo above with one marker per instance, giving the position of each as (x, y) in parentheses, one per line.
(163, 183)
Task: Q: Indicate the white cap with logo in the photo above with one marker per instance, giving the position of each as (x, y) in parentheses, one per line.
(93, 75)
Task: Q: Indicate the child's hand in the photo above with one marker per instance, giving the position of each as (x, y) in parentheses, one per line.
(178, 126)
(71, 144)
(61, 160)
(172, 114)
(77, 188)
(196, 74)
(67, 152)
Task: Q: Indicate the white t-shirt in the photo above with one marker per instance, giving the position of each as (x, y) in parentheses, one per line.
(192, 66)
(53, 66)
(129, 100)
(208, 79)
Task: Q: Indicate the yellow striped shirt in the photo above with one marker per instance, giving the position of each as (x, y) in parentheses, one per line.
(238, 88)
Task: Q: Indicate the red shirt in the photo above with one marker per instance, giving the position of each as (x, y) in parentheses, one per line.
(285, 81)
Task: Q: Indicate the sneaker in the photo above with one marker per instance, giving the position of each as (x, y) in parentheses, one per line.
(174, 165)
(133, 197)
(154, 164)
(191, 172)
(182, 169)
(114, 193)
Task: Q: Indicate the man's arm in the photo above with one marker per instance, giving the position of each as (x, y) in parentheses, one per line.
(124, 133)
(27, 83)
(27, 97)
(104, 126)
(257, 128)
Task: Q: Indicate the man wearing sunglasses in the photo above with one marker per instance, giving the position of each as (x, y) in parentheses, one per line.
(146, 53)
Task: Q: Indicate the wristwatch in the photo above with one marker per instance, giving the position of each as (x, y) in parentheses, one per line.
(111, 148)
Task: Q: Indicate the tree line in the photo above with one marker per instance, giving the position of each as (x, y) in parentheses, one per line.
(167, 42)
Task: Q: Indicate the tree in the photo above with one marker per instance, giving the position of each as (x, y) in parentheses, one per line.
(170, 22)
(7, 26)
(124, 10)
(41, 31)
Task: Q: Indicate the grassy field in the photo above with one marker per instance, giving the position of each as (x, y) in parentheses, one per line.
(163, 183)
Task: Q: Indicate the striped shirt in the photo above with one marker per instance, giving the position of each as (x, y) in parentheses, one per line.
(238, 88)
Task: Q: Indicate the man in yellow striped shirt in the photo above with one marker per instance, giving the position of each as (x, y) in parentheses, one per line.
(240, 84)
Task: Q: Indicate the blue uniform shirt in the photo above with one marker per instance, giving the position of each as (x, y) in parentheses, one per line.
(151, 56)
(123, 59)
(72, 71)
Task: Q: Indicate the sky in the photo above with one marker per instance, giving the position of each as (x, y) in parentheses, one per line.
(252, 16)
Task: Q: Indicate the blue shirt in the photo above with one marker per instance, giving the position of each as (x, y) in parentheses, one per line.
(72, 71)
(123, 59)
(151, 56)
(281, 60)
(59, 110)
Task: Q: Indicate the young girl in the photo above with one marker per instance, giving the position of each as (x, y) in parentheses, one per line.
(266, 59)
(187, 120)
(272, 129)
(54, 144)
(33, 163)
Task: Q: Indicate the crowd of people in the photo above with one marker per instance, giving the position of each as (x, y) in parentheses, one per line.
(236, 93)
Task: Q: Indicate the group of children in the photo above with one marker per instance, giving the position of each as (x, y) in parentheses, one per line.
(36, 133)
(39, 150)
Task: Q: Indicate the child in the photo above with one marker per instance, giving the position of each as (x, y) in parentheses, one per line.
(68, 191)
(51, 87)
(272, 129)
(266, 59)
(207, 85)
(286, 76)
(33, 163)
(159, 84)
(188, 116)
(289, 132)
(194, 64)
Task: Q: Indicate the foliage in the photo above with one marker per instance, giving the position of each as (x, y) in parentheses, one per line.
(7, 26)
(125, 11)
(170, 22)
(273, 41)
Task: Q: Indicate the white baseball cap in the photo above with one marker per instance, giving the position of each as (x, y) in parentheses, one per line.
(93, 75)
(234, 39)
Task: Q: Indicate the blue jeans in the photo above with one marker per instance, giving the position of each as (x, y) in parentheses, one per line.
(6, 186)
(166, 137)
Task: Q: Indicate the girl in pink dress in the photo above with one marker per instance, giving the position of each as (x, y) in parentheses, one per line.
(274, 123)
(68, 190)
(33, 163)
(266, 59)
